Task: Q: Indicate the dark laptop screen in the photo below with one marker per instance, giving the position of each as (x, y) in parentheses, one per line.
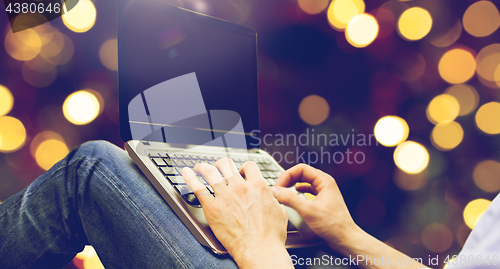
(158, 43)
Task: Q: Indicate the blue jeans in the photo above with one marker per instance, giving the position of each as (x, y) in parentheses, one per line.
(98, 196)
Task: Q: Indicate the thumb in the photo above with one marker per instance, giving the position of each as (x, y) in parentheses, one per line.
(289, 198)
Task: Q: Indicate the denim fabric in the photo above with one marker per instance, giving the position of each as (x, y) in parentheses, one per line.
(97, 195)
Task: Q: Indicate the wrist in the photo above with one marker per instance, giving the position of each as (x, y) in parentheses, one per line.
(352, 235)
(263, 256)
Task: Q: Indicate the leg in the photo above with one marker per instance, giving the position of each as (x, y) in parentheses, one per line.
(97, 195)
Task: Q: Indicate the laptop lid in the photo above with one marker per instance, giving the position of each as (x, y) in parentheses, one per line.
(184, 77)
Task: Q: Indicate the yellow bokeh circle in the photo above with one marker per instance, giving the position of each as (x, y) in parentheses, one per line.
(414, 23)
(340, 12)
(466, 96)
(81, 17)
(362, 30)
(314, 109)
(474, 210)
(49, 152)
(81, 107)
(390, 131)
(108, 54)
(447, 136)
(313, 6)
(6, 100)
(481, 19)
(486, 176)
(411, 157)
(457, 66)
(488, 118)
(443, 108)
(13, 134)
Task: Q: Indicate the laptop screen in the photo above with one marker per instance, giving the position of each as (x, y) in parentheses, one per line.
(184, 77)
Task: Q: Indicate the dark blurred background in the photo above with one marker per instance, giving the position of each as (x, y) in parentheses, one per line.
(432, 67)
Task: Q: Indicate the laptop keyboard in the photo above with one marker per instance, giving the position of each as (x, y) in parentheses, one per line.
(171, 164)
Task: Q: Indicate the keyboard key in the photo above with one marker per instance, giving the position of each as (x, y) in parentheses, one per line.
(168, 161)
(189, 163)
(159, 161)
(183, 189)
(202, 180)
(195, 158)
(271, 180)
(191, 199)
(164, 155)
(271, 167)
(210, 189)
(203, 158)
(179, 162)
(261, 166)
(169, 171)
(153, 155)
(176, 179)
(179, 170)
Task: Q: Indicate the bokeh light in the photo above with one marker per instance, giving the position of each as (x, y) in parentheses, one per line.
(88, 259)
(443, 108)
(108, 54)
(313, 6)
(81, 17)
(496, 75)
(314, 109)
(414, 23)
(49, 151)
(488, 118)
(457, 66)
(38, 79)
(24, 45)
(481, 19)
(361, 30)
(447, 136)
(340, 12)
(390, 131)
(410, 182)
(411, 157)
(81, 107)
(13, 134)
(450, 37)
(474, 210)
(408, 65)
(466, 96)
(488, 60)
(486, 176)
(437, 237)
(6, 100)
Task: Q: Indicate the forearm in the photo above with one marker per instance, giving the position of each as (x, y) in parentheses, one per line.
(264, 257)
(372, 253)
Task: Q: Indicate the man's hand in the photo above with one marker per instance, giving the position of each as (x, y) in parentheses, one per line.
(328, 217)
(243, 215)
(327, 214)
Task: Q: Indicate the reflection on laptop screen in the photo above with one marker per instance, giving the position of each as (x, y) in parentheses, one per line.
(213, 61)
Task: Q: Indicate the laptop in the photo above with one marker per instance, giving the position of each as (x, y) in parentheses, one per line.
(188, 94)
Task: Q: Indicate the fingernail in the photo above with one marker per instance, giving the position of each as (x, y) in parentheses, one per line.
(275, 191)
(187, 171)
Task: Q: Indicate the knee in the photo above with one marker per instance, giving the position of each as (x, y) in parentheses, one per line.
(100, 149)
